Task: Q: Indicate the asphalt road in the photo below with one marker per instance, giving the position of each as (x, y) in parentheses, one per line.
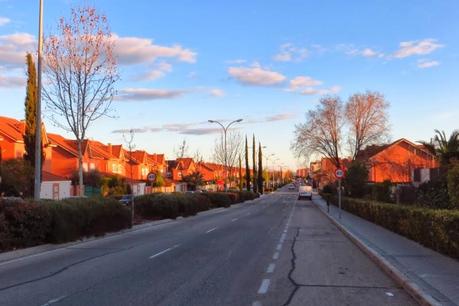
(274, 251)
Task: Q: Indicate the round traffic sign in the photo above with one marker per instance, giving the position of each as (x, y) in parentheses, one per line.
(339, 173)
(151, 177)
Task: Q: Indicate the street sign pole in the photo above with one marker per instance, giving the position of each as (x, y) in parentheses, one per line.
(339, 197)
(339, 173)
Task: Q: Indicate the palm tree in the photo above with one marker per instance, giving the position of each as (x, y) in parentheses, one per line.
(443, 147)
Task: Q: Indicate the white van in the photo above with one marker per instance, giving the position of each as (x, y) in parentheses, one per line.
(305, 191)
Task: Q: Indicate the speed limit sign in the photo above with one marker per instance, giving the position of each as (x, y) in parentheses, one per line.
(151, 177)
(339, 173)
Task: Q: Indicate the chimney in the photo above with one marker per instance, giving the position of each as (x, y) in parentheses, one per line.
(110, 148)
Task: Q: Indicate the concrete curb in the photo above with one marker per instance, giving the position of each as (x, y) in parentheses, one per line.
(420, 295)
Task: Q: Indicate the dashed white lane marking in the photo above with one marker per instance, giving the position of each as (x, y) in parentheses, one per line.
(256, 303)
(283, 237)
(235, 219)
(164, 251)
(248, 214)
(271, 268)
(54, 300)
(276, 255)
(264, 286)
(211, 230)
(279, 247)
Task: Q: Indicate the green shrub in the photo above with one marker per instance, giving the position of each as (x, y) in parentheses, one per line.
(247, 195)
(234, 197)
(218, 199)
(356, 178)
(330, 188)
(434, 194)
(453, 185)
(407, 194)
(382, 192)
(17, 177)
(73, 219)
(434, 228)
(158, 206)
(24, 224)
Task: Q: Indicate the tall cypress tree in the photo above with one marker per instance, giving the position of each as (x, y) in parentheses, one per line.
(254, 161)
(247, 167)
(260, 169)
(30, 108)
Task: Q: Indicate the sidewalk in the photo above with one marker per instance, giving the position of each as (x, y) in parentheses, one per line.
(433, 275)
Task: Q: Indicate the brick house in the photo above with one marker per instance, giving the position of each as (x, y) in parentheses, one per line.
(397, 161)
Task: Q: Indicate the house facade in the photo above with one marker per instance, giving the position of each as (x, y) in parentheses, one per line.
(397, 161)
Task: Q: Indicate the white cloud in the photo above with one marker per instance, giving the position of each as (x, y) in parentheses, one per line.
(321, 91)
(424, 63)
(11, 81)
(4, 20)
(280, 117)
(158, 71)
(144, 94)
(13, 48)
(256, 75)
(217, 92)
(236, 61)
(303, 81)
(288, 52)
(417, 47)
(137, 50)
(365, 52)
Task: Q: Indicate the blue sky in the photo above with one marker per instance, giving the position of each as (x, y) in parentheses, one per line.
(268, 62)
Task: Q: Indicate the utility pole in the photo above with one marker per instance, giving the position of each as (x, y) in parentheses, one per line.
(37, 176)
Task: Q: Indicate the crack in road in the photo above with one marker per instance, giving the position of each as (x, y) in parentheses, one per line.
(61, 269)
(292, 269)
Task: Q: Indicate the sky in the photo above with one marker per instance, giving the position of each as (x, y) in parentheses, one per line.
(182, 63)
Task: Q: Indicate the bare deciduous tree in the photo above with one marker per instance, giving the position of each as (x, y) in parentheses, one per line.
(366, 115)
(321, 133)
(80, 74)
(182, 150)
(233, 149)
(129, 141)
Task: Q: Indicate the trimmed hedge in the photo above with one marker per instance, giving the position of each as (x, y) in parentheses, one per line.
(25, 224)
(437, 229)
(76, 218)
(172, 205)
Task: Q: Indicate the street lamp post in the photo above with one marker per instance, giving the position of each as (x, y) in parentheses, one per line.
(267, 157)
(37, 173)
(225, 130)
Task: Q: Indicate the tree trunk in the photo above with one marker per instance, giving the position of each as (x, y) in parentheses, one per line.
(80, 169)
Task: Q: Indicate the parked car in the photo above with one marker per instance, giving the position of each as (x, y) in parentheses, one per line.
(291, 187)
(126, 199)
(305, 191)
